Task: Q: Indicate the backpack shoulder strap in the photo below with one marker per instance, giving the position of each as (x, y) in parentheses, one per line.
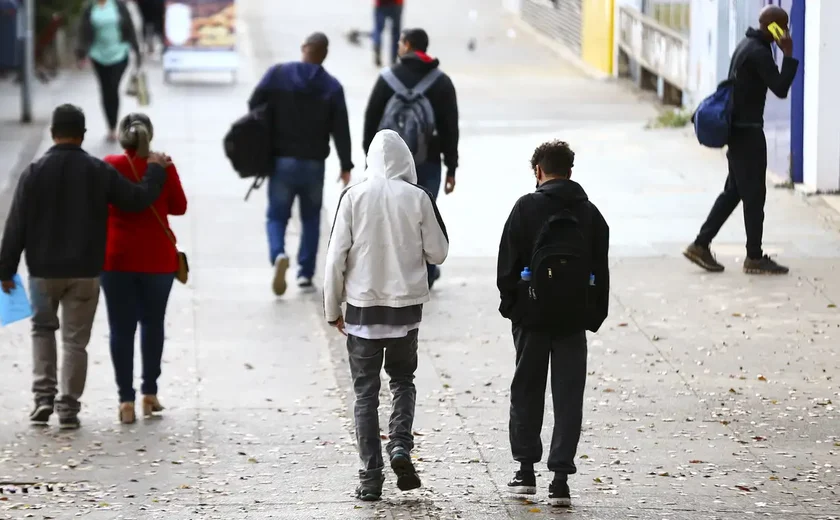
(392, 81)
(427, 81)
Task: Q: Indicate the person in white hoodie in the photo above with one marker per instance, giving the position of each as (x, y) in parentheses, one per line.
(386, 229)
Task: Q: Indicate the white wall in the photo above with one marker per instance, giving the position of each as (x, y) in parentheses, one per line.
(514, 6)
(821, 147)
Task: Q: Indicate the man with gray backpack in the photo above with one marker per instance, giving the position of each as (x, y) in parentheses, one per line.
(417, 100)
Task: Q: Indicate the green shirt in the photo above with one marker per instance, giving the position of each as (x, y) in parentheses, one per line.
(108, 47)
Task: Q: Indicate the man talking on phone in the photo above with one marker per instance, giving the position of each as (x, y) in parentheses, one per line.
(754, 70)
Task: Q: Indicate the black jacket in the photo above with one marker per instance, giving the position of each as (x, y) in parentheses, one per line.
(526, 220)
(441, 95)
(59, 213)
(307, 105)
(755, 71)
(87, 34)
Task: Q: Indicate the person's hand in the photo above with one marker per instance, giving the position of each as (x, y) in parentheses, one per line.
(449, 187)
(344, 177)
(8, 286)
(160, 159)
(338, 324)
(786, 44)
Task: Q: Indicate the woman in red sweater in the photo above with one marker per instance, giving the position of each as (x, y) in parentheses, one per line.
(140, 264)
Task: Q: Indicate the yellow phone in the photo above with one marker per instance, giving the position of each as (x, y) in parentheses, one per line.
(777, 32)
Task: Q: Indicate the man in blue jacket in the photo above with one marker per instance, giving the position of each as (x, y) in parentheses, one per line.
(306, 105)
(754, 71)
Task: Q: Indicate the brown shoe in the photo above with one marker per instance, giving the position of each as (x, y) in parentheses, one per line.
(151, 405)
(764, 265)
(703, 257)
(127, 415)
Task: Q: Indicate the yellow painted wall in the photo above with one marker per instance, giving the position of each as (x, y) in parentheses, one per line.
(597, 34)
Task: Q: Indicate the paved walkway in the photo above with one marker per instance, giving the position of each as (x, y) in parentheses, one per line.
(708, 397)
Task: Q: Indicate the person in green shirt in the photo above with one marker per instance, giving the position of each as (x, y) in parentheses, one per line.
(107, 37)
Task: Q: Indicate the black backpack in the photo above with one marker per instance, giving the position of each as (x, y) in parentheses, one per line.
(560, 292)
(248, 145)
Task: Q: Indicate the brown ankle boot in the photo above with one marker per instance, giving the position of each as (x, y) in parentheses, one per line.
(126, 414)
(151, 405)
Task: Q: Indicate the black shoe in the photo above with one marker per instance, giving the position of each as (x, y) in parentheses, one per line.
(523, 483)
(703, 257)
(764, 265)
(407, 478)
(368, 494)
(377, 59)
(558, 494)
(435, 277)
(71, 422)
(42, 412)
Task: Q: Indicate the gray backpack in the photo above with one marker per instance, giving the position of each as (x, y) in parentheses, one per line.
(410, 114)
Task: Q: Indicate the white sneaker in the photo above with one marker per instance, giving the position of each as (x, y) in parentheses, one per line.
(281, 264)
(305, 284)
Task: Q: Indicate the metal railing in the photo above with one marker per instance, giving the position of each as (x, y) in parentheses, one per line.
(661, 50)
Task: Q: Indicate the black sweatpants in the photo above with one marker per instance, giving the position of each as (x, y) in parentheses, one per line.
(534, 350)
(152, 12)
(109, 77)
(747, 183)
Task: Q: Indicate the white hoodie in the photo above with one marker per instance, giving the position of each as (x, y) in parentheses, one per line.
(386, 228)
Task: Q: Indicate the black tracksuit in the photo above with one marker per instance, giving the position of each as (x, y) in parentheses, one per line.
(441, 95)
(754, 71)
(59, 213)
(535, 346)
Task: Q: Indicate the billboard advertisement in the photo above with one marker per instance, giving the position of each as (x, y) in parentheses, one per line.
(200, 35)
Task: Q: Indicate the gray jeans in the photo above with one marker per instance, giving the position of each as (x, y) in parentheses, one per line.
(366, 360)
(78, 299)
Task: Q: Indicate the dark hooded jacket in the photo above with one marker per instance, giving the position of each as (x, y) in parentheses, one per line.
(755, 71)
(441, 95)
(307, 105)
(519, 237)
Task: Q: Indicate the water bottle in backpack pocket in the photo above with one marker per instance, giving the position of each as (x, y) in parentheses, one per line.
(409, 113)
(560, 290)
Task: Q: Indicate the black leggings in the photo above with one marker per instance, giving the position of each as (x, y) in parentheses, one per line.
(152, 12)
(109, 77)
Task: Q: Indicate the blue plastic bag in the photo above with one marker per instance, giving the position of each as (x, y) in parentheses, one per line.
(713, 118)
(14, 306)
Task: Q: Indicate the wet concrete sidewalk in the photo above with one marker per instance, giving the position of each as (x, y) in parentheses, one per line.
(709, 397)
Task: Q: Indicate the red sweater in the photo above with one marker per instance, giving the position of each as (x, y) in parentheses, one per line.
(136, 241)
(383, 3)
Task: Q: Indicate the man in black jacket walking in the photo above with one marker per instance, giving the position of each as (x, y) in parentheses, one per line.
(307, 106)
(754, 71)
(551, 328)
(414, 65)
(59, 216)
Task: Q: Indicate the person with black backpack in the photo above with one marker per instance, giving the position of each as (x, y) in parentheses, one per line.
(417, 100)
(554, 282)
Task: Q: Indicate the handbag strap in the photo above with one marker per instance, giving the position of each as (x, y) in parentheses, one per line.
(154, 211)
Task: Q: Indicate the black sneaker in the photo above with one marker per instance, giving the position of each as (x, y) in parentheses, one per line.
(523, 483)
(703, 257)
(368, 493)
(407, 478)
(305, 283)
(42, 412)
(70, 422)
(558, 494)
(435, 277)
(764, 265)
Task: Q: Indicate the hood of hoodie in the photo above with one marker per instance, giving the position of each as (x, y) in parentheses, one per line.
(419, 62)
(565, 190)
(389, 158)
(305, 77)
(758, 35)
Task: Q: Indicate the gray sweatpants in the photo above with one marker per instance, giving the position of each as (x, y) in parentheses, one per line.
(78, 299)
(366, 360)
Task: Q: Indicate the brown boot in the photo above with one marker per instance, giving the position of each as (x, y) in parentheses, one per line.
(151, 405)
(126, 414)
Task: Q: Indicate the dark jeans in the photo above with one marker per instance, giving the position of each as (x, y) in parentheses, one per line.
(380, 16)
(109, 77)
(747, 183)
(133, 298)
(429, 176)
(534, 349)
(152, 12)
(302, 178)
(366, 359)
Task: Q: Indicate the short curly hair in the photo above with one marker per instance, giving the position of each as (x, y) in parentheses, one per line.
(555, 158)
